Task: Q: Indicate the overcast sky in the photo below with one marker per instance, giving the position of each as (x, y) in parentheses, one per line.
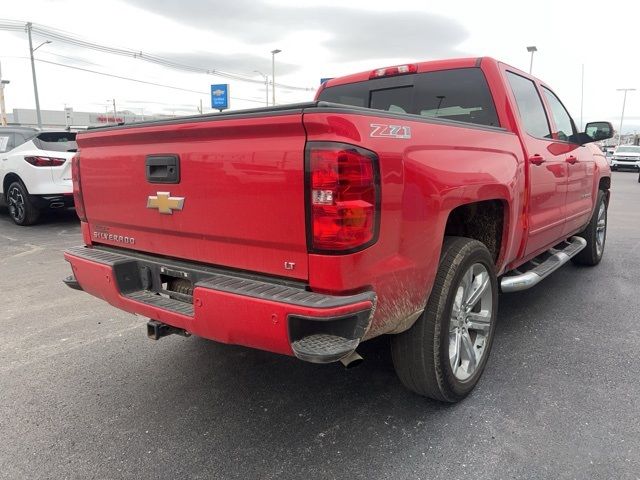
(318, 39)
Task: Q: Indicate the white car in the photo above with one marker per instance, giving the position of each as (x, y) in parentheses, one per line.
(626, 156)
(35, 171)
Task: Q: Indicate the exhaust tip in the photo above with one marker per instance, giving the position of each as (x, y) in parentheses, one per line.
(352, 360)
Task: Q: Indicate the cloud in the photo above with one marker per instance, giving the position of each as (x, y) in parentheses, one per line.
(237, 63)
(354, 34)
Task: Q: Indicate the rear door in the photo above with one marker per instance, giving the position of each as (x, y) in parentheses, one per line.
(6, 144)
(546, 166)
(580, 165)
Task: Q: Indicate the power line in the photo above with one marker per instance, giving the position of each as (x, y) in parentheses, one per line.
(137, 80)
(69, 38)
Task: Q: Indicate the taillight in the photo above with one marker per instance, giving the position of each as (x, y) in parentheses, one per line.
(77, 188)
(393, 71)
(44, 161)
(343, 197)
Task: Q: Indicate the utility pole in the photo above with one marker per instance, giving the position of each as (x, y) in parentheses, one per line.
(273, 75)
(624, 100)
(33, 72)
(114, 111)
(266, 86)
(3, 112)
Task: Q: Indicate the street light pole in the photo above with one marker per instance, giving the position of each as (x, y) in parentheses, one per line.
(531, 49)
(273, 75)
(266, 86)
(624, 100)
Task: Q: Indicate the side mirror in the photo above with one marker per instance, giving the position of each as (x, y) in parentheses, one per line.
(598, 131)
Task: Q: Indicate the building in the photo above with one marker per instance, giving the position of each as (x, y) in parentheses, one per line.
(61, 119)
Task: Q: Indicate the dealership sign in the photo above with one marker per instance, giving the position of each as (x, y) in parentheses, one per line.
(220, 96)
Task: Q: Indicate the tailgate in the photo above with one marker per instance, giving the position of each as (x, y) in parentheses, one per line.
(240, 189)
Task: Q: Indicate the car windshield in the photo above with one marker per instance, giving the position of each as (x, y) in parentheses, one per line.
(629, 149)
(56, 141)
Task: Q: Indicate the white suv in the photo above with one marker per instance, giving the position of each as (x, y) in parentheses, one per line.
(626, 156)
(35, 171)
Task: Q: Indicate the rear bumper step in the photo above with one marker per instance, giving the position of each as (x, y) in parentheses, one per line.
(542, 266)
(230, 307)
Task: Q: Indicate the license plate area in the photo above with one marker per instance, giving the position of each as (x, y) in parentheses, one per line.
(162, 280)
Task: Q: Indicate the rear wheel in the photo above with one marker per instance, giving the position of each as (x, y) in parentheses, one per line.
(21, 209)
(595, 234)
(443, 355)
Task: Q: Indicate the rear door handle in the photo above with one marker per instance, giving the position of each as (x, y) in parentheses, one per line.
(536, 159)
(571, 159)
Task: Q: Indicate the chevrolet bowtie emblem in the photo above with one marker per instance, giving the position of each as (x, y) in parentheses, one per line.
(165, 203)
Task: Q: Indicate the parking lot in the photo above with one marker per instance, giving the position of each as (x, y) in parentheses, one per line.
(84, 393)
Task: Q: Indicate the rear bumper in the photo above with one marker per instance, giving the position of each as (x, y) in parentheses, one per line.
(63, 200)
(225, 306)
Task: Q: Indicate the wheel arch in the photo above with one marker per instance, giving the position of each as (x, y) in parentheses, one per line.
(485, 221)
(8, 179)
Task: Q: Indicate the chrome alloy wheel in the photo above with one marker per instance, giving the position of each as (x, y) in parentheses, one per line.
(601, 228)
(16, 203)
(470, 321)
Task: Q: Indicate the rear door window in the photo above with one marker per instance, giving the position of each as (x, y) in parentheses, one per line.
(6, 142)
(56, 141)
(459, 94)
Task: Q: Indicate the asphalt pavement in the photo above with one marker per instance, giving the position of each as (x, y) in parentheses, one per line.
(84, 394)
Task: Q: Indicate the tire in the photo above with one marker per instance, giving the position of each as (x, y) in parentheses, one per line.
(21, 208)
(421, 355)
(595, 234)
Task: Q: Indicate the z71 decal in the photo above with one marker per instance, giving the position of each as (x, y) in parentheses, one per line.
(390, 131)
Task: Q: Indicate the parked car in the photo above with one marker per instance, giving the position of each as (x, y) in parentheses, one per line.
(399, 202)
(626, 157)
(608, 153)
(35, 171)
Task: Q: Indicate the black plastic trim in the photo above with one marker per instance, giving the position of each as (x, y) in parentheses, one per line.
(127, 270)
(290, 109)
(71, 282)
(45, 201)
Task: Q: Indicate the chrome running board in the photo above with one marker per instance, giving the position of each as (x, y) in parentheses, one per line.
(542, 266)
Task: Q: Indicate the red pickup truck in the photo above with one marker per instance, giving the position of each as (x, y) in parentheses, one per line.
(399, 202)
